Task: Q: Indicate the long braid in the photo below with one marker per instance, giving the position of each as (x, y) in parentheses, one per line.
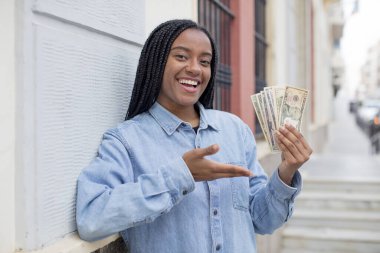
(152, 62)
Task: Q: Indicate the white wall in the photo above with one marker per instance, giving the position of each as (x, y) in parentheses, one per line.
(283, 35)
(76, 66)
(286, 38)
(293, 62)
(277, 38)
(160, 11)
(7, 125)
(322, 66)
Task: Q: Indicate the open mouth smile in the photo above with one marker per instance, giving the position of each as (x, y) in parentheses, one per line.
(189, 83)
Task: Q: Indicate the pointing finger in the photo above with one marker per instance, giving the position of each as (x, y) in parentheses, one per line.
(232, 170)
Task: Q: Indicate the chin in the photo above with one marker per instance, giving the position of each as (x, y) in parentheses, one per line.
(188, 102)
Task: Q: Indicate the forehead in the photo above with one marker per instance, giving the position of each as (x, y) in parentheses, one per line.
(193, 39)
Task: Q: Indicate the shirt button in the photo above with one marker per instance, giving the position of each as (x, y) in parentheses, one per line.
(184, 192)
(215, 212)
(218, 247)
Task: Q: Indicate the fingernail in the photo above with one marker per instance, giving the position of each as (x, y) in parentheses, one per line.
(289, 126)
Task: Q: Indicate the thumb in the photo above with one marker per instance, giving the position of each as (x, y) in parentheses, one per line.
(210, 150)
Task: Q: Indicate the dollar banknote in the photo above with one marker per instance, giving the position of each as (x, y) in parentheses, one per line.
(264, 126)
(269, 124)
(258, 109)
(262, 103)
(293, 106)
(279, 93)
(271, 117)
(276, 106)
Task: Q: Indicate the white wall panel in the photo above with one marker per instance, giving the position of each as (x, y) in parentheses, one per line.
(75, 69)
(82, 87)
(7, 126)
(119, 18)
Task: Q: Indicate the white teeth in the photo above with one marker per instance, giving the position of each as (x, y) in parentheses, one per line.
(190, 82)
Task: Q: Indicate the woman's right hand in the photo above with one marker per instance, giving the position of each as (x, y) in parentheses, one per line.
(203, 169)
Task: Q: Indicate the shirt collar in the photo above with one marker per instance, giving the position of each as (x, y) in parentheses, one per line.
(169, 122)
(206, 119)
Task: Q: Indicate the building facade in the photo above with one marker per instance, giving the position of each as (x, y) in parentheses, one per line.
(67, 71)
(370, 72)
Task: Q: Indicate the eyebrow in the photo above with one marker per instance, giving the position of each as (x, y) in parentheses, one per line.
(187, 50)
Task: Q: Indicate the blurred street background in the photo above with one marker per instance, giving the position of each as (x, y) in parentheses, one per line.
(339, 207)
(67, 70)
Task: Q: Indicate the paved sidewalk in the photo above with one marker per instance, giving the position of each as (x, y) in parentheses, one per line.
(347, 154)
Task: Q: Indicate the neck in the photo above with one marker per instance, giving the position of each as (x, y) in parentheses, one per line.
(189, 114)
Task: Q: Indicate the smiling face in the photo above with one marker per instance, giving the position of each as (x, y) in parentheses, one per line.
(187, 71)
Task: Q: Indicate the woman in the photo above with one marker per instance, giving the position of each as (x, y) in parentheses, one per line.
(177, 176)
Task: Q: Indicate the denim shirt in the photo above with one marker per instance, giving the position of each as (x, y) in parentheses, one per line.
(139, 185)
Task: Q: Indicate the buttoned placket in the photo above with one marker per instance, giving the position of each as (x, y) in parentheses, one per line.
(214, 191)
(215, 218)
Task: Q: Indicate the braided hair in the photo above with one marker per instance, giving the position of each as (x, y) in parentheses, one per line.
(152, 64)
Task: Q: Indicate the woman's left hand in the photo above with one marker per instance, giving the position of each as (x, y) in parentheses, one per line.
(295, 152)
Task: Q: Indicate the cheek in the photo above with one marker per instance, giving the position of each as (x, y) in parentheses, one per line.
(168, 71)
(207, 75)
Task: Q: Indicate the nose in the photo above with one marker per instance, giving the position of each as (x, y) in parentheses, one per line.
(193, 67)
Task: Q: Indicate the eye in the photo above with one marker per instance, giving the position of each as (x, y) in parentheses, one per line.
(205, 63)
(180, 57)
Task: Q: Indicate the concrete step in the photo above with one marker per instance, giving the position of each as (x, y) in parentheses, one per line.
(338, 201)
(348, 185)
(330, 240)
(362, 220)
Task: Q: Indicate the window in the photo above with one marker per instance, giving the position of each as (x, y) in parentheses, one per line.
(216, 16)
(260, 51)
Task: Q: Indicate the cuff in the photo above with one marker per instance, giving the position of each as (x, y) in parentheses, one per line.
(282, 191)
(178, 178)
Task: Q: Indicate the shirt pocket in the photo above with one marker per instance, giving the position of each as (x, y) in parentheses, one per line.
(240, 191)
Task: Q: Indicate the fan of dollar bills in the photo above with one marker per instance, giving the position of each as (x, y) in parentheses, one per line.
(276, 106)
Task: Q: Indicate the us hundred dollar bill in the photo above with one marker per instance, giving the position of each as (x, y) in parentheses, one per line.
(293, 106)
